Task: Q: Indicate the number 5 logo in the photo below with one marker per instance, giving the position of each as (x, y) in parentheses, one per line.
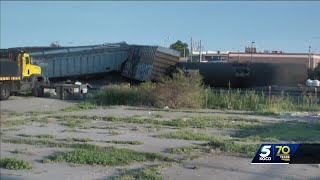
(265, 151)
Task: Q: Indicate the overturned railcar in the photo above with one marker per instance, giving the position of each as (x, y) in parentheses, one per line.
(142, 63)
(243, 75)
(147, 63)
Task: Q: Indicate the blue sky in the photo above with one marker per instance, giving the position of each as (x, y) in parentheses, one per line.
(287, 26)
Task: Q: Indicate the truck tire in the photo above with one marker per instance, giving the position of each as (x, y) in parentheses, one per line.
(4, 92)
(38, 90)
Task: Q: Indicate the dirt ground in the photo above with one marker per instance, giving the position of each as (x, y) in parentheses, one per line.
(208, 166)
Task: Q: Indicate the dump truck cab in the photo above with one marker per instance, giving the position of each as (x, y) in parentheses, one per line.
(19, 74)
(27, 66)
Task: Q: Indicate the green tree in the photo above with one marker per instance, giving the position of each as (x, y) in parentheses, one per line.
(181, 47)
(315, 73)
(55, 44)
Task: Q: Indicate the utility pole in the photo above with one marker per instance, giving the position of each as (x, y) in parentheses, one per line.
(191, 50)
(309, 56)
(200, 52)
(251, 50)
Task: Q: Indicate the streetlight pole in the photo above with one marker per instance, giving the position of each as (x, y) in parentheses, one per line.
(191, 47)
(309, 56)
(251, 49)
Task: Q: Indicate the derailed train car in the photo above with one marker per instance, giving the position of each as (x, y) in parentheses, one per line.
(147, 63)
(242, 75)
(81, 61)
(142, 63)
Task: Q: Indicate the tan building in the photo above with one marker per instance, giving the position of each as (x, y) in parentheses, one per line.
(310, 61)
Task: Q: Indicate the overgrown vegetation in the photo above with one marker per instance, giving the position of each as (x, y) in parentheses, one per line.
(20, 122)
(81, 106)
(48, 136)
(189, 135)
(193, 122)
(74, 121)
(253, 101)
(185, 90)
(179, 91)
(218, 146)
(47, 143)
(298, 132)
(10, 129)
(147, 173)
(14, 164)
(13, 122)
(78, 139)
(125, 142)
(230, 147)
(91, 154)
(181, 150)
(105, 156)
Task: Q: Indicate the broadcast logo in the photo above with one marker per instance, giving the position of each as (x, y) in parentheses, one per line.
(265, 153)
(283, 152)
(279, 153)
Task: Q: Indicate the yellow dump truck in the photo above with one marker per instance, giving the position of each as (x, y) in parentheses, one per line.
(19, 74)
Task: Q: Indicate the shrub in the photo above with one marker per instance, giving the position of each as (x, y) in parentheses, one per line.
(182, 90)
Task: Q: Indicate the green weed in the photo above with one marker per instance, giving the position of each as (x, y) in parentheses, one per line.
(78, 139)
(147, 173)
(14, 164)
(105, 156)
(300, 132)
(125, 142)
(48, 136)
(81, 106)
(189, 135)
(13, 122)
(181, 150)
(230, 147)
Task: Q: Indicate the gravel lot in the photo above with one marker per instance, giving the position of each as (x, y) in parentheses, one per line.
(208, 166)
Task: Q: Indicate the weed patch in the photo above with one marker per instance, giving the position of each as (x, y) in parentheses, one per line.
(189, 135)
(14, 164)
(181, 150)
(48, 143)
(114, 133)
(20, 151)
(13, 122)
(74, 121)
(78, 139)
(194, 122)
(10, 129)
(230, 147)
(299, 132)
(81, 106)
(105, 156)
(150, 173)
(91, 154)
(73, 130)
(125, 142)
(47, 136)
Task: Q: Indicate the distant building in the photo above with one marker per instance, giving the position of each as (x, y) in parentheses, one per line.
(276, 57)
(252, 55)
(209, 56)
